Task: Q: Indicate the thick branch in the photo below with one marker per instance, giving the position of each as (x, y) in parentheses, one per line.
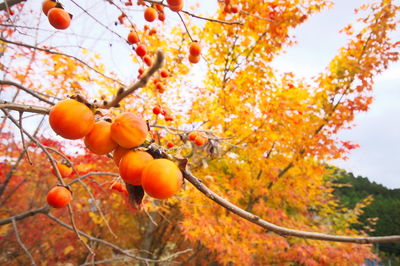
(24, 215)
(23, 107)
(9, 3)
(137, 85)
(283, 231)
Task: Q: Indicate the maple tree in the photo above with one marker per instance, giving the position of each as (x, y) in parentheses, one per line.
(246, 134)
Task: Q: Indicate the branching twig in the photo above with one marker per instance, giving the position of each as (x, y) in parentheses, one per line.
(75, 229)
(29, 91)
(95, 239)
(139, 84)
(24, 215)
(62, 54)
(23, 139)
(9, 3)
(14, 223)
(89, 174)
(283, 231)
(24, 107)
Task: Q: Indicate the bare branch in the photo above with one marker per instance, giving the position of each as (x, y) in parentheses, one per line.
(89, 174)
(14, 223)
(24, 107)
(283, 231)
(75, 229)
(24, 215)
(31, 92)
(122, 251)
(139, 84)
(23, 139)
(9, 3)
(62, 54)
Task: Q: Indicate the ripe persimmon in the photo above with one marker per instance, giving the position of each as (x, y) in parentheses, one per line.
(141, 70)
(141, 50)
(147, 60)
(234, 9)
(133, 37)
(157, 110)
(71, 119)
(194, 59)
(164, 73)
(161, 17)
(195, 49)
(99, 139)
(64, 169)
(59, 197)
(59, 18)
(170, 144)
(129, 130)
(118, 153)
(175, 5)
(47, 5)
(192, 135)
(150, 14)
(200, 140)
(161, 178)
(132, 165)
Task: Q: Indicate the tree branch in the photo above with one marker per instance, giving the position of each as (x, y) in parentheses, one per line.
(9, 3)
(139, 84)
(62, 54)
(24, 107)
(283, 231)
(29, 91)
(24, 215)
(20, 241)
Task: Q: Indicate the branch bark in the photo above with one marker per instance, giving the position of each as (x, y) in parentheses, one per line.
(9, 3)
(283, 231)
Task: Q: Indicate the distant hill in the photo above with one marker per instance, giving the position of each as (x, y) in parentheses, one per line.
(386, 206)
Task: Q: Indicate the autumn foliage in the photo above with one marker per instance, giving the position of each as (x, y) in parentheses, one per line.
(105, 152)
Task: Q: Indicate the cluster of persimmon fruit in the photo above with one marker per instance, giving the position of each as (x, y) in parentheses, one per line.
(57, 16)
(160, 178)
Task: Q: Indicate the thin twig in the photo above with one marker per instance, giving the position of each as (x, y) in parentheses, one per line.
(23, 139)
(14, 223)
(120, 250)
(29, 91)
(78, 179)
(24, 215)
(121, 94)
(62, 54)
(186, 28)
(75, 229)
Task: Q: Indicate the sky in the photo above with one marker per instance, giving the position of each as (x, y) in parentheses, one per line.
(377, 131)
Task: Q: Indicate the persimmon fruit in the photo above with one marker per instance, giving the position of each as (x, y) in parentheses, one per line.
(141, 50)
(170, 144)
(131, 166)
(156, 110)
(59, 18)
(195, 49)
(200, 140)
(47, 5)
(65, 170)
(175, 5)
(147, 60)
(192, 135)
(71, 119)
(133, 37)
(234, 9)
(150, 14)
(129, 130)
(99, 139)
(118, 153)
(59, 197)
(161, 178)
(194, 59)
(164, 73)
